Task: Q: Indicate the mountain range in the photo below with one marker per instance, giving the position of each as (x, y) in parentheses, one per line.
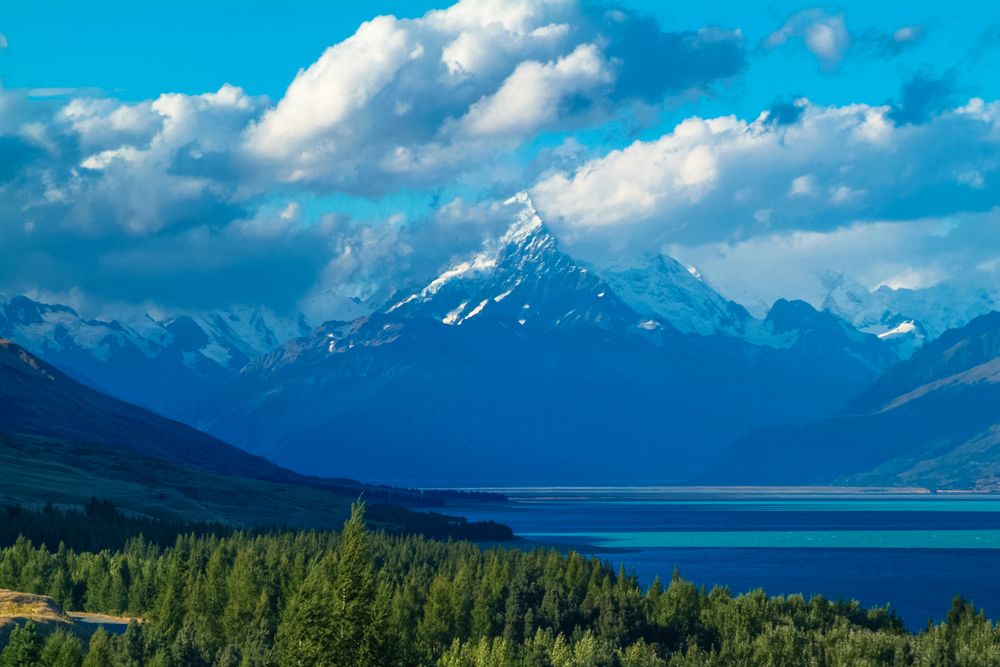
(907, 318)
(161, 363)
(520, 364)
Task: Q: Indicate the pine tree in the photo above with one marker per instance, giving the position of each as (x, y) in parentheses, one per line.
(356, 636)
(185, 648)
(306, 634)
(23, 649)
(243, 595)
(99, 652)
(436, 630)
(330, 621)
(62, 649)
(129, 647)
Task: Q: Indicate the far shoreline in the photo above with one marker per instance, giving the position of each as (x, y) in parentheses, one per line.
(542, 493)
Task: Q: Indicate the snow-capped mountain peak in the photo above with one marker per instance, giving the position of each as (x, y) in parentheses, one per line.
(519, 276)
(664, 287)
(526, 230)
(527, 221)
(906, 318)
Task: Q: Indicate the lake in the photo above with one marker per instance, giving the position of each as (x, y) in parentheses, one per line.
(913, 551)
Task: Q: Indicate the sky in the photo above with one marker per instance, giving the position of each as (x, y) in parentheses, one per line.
(305, 155)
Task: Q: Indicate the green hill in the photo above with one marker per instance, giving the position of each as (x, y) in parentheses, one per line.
(65, 443)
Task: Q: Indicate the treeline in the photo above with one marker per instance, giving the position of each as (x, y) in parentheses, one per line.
(102, 526)
(363, 599)
(393, 495)
(99, 526)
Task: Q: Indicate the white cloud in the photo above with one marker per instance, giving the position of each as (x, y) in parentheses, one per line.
(801, 186)
(638, 182)
(531, 96)
(705, 180)
(907, 33)
(385, 104)
(824, 35)
(3, 41)
(109, 166)
(843, 195)
(410, 102)
(340, 84)
(107, 122)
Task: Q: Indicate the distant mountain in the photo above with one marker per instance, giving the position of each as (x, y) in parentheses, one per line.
(933, 420)
(811, 335)
(663, 288)
(519, 364)
(907, 318)
(161, 364)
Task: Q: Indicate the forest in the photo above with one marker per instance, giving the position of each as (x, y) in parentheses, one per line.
(360, 597)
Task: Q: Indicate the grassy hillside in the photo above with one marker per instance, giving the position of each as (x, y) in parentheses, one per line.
(40, 469)
(64, 443)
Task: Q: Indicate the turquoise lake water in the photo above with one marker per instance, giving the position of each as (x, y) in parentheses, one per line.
(913, 552)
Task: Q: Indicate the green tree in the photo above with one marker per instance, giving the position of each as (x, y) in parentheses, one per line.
(357, 637)
(437, 628)
(330, 621)
(62, 649)
(129, 647)
(306, 635)
(99, 651)
(24, 648)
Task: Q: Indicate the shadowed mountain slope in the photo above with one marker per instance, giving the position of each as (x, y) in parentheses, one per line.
(933, 420)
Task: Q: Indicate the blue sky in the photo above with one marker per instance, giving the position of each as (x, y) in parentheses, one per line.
(141, 134)
(140, 49)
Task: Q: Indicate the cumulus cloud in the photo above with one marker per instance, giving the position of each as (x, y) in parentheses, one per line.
(203, 200)
(705, 180)
(102, 166)
(405, 102)
(761, 208)
(532, 95)
(150, 198)
(137, 200)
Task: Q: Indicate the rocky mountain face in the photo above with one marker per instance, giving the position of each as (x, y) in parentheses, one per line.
(516, 352)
